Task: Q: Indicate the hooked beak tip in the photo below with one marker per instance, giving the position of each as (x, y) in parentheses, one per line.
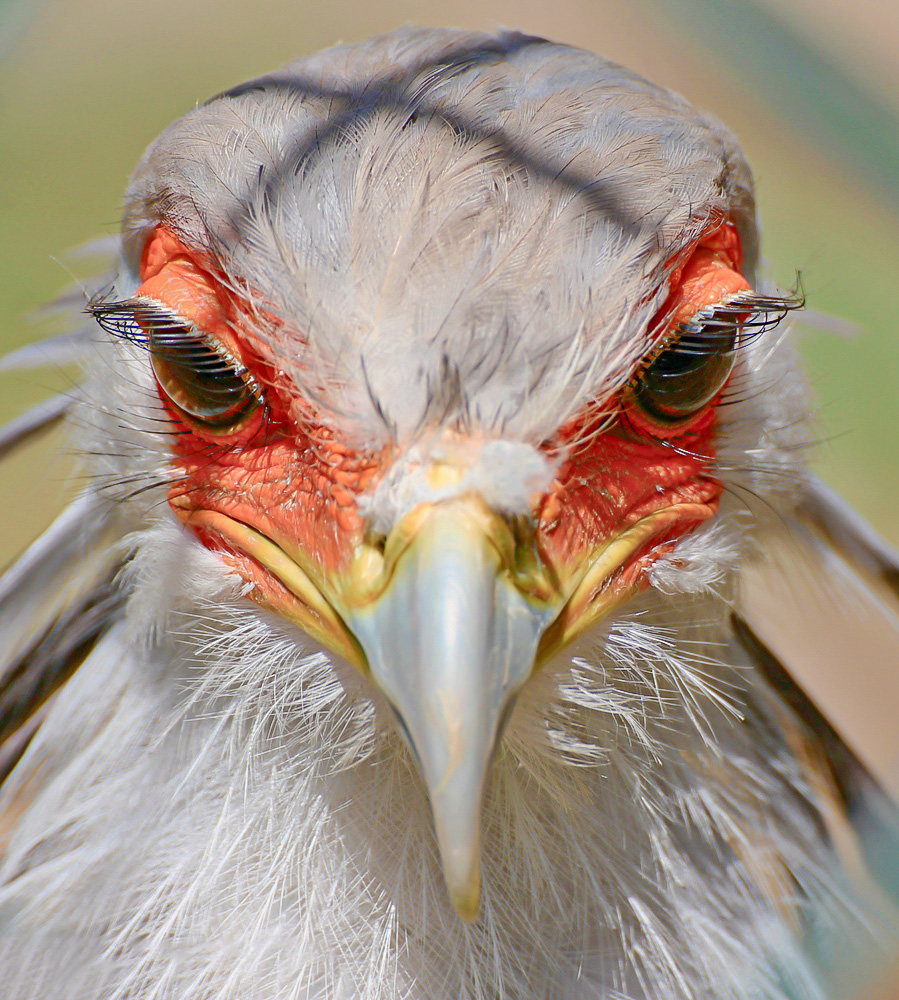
(467, 903)
(449, 643)
(456, 790)
(461, 861)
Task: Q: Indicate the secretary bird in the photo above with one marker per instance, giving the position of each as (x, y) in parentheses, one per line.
(397, 647)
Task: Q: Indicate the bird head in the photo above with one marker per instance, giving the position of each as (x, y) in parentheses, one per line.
(439, 333)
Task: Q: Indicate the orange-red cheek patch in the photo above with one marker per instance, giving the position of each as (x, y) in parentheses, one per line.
(623, 475)
(712, 274)
(617, 482)
(178, 278)
(285, 490)
(302, 493)
(268, 472)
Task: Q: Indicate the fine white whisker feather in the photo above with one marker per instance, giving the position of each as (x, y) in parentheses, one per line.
(401, 642)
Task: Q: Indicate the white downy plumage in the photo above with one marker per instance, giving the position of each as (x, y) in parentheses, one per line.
(454, 231)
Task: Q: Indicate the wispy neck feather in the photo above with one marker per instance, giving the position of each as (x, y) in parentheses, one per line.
(241, 821)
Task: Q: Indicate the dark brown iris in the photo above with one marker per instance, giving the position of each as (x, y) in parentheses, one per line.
(202, 384)
(688, 373)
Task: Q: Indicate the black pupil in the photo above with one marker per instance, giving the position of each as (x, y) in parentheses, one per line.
(197, 379)
(688, 374)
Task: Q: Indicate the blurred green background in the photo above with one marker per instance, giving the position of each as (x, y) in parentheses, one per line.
(808, 85)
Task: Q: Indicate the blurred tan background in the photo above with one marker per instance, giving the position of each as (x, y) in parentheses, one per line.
(808, 85)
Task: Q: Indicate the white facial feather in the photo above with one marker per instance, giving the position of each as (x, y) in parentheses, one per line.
(241, 789)
(231, 814)
(478, 241)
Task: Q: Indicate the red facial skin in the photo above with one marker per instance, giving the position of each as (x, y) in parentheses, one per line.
(291, 480)
(284, 473)
(643, 466)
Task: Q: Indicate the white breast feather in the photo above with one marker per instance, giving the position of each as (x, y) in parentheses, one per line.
(231, 813)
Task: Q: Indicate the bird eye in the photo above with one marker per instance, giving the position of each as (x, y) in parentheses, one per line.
(689, 373)
(200, 382)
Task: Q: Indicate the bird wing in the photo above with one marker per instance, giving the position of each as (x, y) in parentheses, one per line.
(819, 610)
(56, 601)
(58, 597)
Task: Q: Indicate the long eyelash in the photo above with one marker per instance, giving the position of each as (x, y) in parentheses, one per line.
(761, 314)
(733, 324)
(135, 319)
(148, 324)
(143, 321)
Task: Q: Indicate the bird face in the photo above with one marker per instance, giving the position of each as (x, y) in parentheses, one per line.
(442, 364)
(449, 567)
(437, 383)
